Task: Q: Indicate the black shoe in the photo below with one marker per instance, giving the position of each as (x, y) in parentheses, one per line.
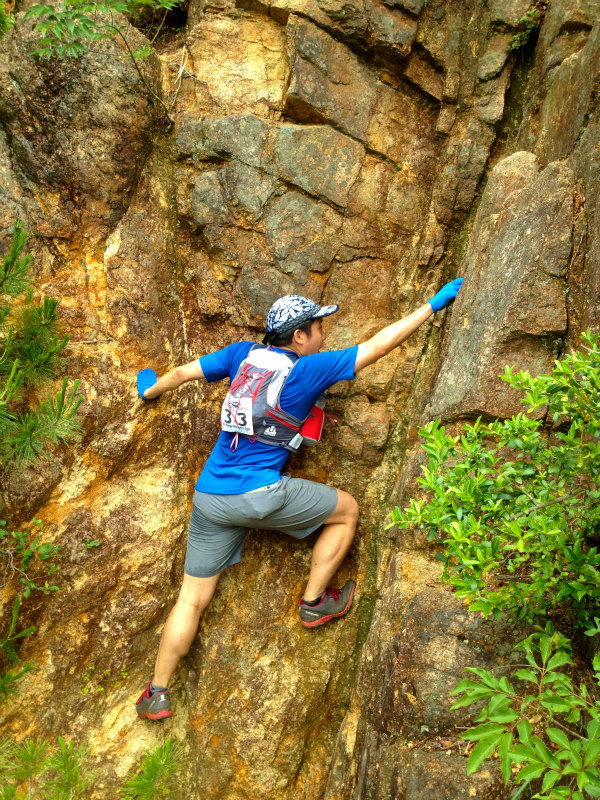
(154, 705)
(333, 603)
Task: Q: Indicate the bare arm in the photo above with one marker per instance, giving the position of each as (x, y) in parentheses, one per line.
(388, 338)
(175, 378)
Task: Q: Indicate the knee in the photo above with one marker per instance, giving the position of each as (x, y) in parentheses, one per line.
(351, 509)
(190, 606)
(196, 593)
(354, 510)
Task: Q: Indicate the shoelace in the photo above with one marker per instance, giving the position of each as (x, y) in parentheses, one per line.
(335, 593)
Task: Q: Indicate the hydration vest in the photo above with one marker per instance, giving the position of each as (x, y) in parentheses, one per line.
(251, 407)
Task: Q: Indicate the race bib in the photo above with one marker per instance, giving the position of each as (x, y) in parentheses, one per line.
(236, 415)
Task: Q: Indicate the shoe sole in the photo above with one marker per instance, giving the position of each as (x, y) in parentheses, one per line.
(159, 715)
(323, 620)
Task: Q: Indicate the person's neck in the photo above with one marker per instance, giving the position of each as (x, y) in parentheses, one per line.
(289, 348)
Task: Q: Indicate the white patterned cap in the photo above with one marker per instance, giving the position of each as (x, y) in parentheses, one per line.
(289, 312)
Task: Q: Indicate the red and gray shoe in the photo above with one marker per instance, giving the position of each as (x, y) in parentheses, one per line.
(154, 705)
(333, 603)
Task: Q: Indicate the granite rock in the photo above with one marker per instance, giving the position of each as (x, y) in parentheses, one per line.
(77, 171)
(328, 82)
(303, 234)
(338, 149)
(523, 237)
(319, 160)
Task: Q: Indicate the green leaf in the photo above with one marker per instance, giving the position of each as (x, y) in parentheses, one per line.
(558, 659)
(593, 728)
(523, 752)
(559, 792)
(576, 760)
(545, 647)
(525, 730)
(481, 751)
(498, 703)
(555, 703)
(582, 780)
(526, 675)
(591, 753)
(504, 749)
(482, 731)
(550, 779)
(593, 790)
(466, 684)
(559, 737)
(505, 715)
(544, 754)
(530, 772)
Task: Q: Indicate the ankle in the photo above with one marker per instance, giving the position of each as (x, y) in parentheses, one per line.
(312, 601)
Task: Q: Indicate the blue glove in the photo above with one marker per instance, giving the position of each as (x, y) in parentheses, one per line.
(145, 379)
(446, 294)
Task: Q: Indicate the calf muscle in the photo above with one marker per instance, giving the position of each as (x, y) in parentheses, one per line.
(332, 545)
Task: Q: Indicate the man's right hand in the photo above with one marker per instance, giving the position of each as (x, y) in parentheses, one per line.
(145, 379)
(446, 295)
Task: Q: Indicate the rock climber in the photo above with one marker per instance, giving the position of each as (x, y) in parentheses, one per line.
(274, 392)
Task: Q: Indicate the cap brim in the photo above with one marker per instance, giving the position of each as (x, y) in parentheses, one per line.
(325, 311)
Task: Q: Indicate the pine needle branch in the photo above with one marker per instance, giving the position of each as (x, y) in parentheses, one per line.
(14, 269)
(52, 423)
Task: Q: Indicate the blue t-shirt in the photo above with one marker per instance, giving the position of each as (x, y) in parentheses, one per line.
(254, 464)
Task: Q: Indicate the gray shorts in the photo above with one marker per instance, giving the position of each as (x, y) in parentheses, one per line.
(220, 522)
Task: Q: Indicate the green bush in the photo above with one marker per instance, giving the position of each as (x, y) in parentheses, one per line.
(531, 20)
(9, 676)
(31, 346)
(30, 353)
(6, 20)
(30, 769)
(515, 502)
(156, 777)
(69, 27)
(563, 750)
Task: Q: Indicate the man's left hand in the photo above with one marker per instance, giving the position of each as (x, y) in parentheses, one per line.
(446, 295)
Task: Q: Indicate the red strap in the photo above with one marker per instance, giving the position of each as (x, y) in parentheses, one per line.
(283, 422)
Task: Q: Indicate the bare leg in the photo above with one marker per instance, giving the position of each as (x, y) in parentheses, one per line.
(332, 545)
(182, 624)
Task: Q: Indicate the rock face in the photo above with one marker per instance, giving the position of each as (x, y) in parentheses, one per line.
(514, 309)
(360, 153)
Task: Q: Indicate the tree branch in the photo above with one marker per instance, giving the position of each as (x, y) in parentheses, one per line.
(149, 89)
(538, 506)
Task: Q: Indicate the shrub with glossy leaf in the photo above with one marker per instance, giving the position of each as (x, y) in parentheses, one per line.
(563, 750)
(68, 27)
(516, 502)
